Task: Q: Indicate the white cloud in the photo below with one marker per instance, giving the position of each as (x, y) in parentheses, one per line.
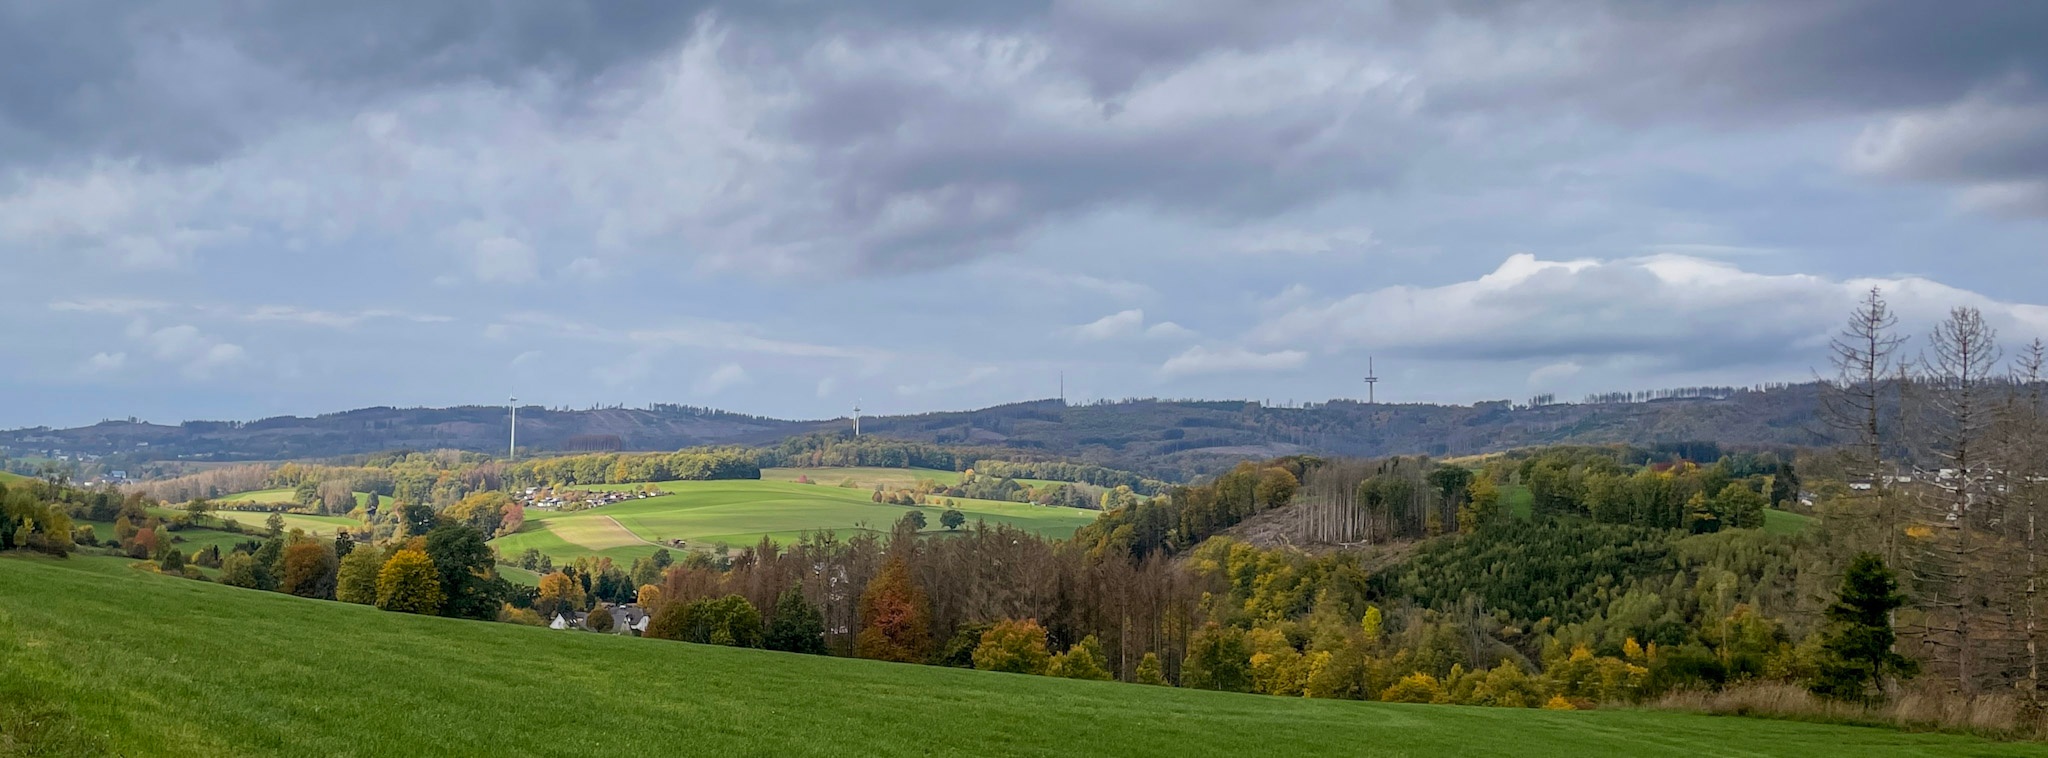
(721, 379)
(1114, 326)
(1205, 360)
(197, 354)
(1127, 325)
(105, 363)
(827, 386)
(1681, 310)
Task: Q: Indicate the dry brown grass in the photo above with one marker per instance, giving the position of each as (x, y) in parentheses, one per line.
(2001, 716)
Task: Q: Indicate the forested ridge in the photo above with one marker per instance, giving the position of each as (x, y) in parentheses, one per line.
(1169, 440)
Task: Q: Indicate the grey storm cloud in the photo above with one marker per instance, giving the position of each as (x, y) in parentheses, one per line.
(910, 135)
(830, 177)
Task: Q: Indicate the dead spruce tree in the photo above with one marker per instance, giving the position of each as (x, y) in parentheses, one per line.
(1852, 405)
(1958, 407)
(2020, 480)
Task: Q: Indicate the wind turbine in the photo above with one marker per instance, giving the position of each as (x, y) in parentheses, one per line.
(1372, 382)
(856, 419)
(512, 453)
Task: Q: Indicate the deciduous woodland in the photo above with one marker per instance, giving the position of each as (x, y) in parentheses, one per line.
(1893, 577)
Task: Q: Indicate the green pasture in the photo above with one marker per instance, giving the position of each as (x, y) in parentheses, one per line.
(866, 476)
(96, 659)
(740, 512)
(278, 496)
(323, 526)
(1785, 522)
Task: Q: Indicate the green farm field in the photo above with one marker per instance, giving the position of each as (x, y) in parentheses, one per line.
(865, 476)
(277, 496)
(322, 526)
(740, 512)
(70, 685)
(1785, 522)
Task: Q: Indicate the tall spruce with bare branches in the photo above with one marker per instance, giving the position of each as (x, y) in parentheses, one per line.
(1864, 355)
(1959, 408)
(2021, 475)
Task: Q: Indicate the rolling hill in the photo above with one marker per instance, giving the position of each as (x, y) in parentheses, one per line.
(1165, 439)
(98, 659)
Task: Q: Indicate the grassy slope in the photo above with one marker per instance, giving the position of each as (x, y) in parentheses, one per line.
(89, 655)
(1785, 522)
(8, 477)
(740, 512)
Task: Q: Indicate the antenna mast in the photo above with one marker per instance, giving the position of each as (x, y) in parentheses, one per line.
(1372, 382)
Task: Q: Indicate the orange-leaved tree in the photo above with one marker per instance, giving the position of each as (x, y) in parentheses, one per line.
(895, 617)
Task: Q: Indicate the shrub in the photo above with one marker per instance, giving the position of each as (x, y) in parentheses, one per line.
(1415, 688)
(1017, 647)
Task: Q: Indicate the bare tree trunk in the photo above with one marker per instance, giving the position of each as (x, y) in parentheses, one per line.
(1964, 356)
(1851, 404)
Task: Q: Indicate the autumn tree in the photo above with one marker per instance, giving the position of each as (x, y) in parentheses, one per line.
(559, 592)
(409, 583)
(895, 616)
(1084, 660)
(356, 580)
(599, 620)
(238, 569)
(1013, 646)
(309, 570)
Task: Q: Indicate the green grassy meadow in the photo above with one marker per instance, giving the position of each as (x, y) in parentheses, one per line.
(277, 496)
(322, 526)
(740, 512)
(865, 476)
(1785, 522)
(1521, 502)
(9, 477)
(95, 660)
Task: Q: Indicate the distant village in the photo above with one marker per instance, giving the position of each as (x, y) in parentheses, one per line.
(568, 500)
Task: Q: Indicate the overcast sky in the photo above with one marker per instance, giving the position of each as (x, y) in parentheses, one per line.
(213, 211)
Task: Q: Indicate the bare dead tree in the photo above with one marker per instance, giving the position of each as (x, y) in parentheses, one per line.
(1863, 355)
(1959, 409)
(2022, 479)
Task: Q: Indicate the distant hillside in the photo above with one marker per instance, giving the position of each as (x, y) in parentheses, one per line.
(1170, 439)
